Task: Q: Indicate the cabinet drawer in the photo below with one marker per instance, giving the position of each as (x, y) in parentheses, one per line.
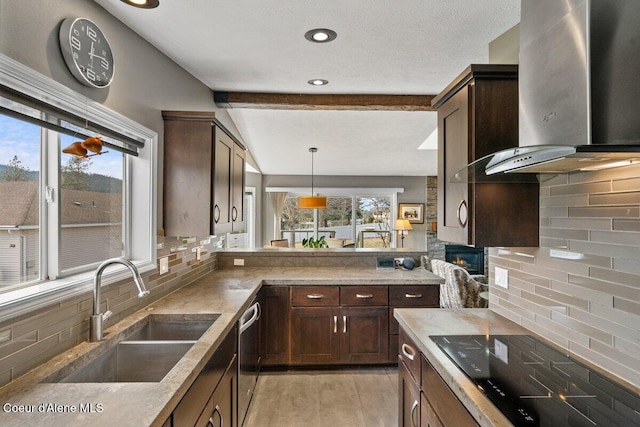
(444, 402)
(409, 353)
(414, 296)
(315, 296)
(364, 295)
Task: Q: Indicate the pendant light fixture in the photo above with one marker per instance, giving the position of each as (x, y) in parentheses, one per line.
(312, 201)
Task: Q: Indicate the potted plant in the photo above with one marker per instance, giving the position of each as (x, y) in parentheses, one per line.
(315, 243)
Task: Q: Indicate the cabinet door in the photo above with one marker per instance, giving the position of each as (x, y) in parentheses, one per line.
(364, 334)
(221, 409)
(428, 417)
(188, 153)
(237, 189)
(275, 326)
(409, 399)
(315, 335)
(222, 179)
(453, 141)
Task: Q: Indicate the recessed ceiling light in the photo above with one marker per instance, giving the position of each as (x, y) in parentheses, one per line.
(144, 4)
(320, 35)
(318, 82)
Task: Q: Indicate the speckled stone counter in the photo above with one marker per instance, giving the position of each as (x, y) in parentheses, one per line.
(227, 292)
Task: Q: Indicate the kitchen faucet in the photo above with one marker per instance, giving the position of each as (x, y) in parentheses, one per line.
(95, 333)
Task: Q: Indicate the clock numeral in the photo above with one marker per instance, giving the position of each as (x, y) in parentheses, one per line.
(104, 63)
(75, 43)
(91, 74)
(91, 33)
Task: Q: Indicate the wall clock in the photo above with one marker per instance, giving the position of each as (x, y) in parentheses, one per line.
(86, 52)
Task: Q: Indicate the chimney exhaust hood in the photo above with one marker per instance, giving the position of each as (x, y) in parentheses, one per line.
(578, 88)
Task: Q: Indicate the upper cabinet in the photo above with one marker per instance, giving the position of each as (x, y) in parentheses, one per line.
(477, 116)
(204, 169)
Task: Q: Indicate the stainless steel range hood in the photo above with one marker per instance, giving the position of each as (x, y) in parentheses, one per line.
(578, 87)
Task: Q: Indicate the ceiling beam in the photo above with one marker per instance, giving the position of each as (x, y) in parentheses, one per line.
(283, 101)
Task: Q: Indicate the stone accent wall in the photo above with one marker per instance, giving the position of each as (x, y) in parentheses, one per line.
(435, 247)
(39, 335)
(581, 287)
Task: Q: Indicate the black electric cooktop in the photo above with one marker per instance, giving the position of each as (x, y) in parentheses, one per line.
(535, 385)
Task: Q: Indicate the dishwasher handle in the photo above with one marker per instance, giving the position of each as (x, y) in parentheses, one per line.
(254, 312)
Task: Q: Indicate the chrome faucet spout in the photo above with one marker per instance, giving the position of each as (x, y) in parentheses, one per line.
(98, 318)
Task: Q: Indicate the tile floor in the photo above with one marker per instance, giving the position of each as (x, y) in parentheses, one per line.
(333, 398)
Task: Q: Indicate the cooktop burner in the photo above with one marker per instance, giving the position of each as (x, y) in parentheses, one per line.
(535, 385)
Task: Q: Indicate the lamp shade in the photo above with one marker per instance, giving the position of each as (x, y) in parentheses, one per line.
(403, 225)
(312, 202)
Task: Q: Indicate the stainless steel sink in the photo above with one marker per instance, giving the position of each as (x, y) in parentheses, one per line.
(145, 355)
(131, 362)
(171, 330)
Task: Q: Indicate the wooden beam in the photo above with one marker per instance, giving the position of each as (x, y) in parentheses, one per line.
(283, 101)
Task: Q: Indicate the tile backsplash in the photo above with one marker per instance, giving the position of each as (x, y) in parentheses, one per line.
(41, 334)
(581, 287)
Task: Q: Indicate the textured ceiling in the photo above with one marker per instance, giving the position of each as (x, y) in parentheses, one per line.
(400, 47)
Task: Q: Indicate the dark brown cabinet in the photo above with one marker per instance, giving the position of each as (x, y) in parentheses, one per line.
(424, 398)
(477, 116)
(214, 392)
(204, 166)
(275, 325)
(339, 325)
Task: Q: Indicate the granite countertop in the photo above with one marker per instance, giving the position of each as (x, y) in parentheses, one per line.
(227, 292)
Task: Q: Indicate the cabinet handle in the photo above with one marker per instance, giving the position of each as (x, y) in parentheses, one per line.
(344, 324)
(216, 214)
(219, 412)
(315, 296)
(462, 221)
(210, 422)
(335, 324)
(413, 411)
(364, 296)
(408, 351)
(234, 213)
(413, 295)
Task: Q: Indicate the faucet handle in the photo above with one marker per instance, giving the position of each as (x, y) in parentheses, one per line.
(108, 313)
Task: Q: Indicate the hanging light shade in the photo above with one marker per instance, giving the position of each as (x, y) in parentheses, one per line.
(312, 201)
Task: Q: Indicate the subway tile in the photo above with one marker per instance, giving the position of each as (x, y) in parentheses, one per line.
(561, 330)
(626, 265)
(626, 346)
(562, 233)
(530, 278)
(581, 223)
(555, 212)
(550, 334)
(564, 201)
(613, 366)
(630, 292)
(570, 300)
(604, 174)
(5, 377)
(604, 249)
(542, 301)
(552, 180)
(564, 265)
(613, 353)
(553, 243)
(605, 211)
(626, 183)
(580, 188)
(28, 353)
(18, 343)
(36, 322)
(626, 305)
(590, 295)
(616, 329)
(517, 309)
(626, 224)
(625, 198)
(618, 316)
(580, 258)
(540, 269)
(582, 328)
(616, 237)
(503, 311)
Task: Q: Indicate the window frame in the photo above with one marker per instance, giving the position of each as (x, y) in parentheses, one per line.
(352, 192)
(140, 186)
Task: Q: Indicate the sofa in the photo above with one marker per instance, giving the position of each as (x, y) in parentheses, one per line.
(460, 289)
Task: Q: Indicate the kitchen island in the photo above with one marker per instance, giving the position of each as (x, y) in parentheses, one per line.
(30, 400)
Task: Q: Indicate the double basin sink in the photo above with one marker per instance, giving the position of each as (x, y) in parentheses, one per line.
(145, 355)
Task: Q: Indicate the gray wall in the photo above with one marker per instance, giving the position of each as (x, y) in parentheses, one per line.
(414, 192)
(146, 82)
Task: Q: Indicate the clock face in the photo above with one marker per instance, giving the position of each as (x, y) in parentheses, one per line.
(86, 52)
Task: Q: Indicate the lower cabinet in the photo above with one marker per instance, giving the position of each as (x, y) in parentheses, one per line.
(221, 409)
(214, 392)
(424, 398)
(274, 327)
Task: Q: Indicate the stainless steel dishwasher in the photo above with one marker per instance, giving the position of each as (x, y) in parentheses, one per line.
(248, 357)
